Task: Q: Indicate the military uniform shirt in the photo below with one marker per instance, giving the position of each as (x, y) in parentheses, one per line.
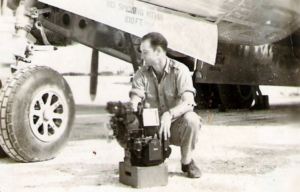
(167, 93)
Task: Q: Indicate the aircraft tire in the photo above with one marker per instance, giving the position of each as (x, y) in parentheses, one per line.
(236, 96)
(37, 113)
(2, 152)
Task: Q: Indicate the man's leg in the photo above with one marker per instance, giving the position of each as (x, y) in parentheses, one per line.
(184, 133)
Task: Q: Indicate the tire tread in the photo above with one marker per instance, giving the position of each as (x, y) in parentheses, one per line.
(7, 136)
(8, 94)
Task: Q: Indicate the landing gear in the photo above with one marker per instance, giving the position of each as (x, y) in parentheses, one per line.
(236, 96)
(207, 95)
(261, 101)
(225, 96)
(37, 113)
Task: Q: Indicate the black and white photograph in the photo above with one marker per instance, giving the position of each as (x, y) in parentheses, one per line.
(149, 95)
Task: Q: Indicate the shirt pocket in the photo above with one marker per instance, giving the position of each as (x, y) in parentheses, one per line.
(151, 96)
(170, 89)
(171, 99)
(151, 93)
(170, 95)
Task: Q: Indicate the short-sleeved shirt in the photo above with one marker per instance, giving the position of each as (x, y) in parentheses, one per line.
(167, 93)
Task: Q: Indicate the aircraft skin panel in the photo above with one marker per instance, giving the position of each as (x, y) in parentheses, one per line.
(139, 18)
(220, 8)
(251, 22)
(271, 64)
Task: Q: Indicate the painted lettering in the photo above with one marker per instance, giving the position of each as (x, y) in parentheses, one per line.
(110, 4)
(131, 9)
(133, 20)
(154, 15)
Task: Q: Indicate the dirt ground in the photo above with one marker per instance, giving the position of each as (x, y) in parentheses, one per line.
(238, 150)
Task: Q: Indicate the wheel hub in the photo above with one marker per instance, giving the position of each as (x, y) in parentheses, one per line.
(48, 115)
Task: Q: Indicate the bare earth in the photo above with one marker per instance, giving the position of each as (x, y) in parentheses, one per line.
(237, 150)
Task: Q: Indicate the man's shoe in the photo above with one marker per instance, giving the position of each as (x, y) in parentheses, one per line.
(191, 169)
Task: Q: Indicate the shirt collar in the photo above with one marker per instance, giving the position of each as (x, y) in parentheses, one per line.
(167, 67)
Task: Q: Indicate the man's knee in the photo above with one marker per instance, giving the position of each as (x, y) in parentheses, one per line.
(192, 120)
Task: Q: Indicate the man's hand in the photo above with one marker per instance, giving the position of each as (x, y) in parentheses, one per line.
(133, 107)
(165, 125)
(134, 100)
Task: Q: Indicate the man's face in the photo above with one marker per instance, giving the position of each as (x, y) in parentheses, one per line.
(149, 55)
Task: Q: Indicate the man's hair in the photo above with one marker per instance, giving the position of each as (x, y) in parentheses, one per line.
(156, 39)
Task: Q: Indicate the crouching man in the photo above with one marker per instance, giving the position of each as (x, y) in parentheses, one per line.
(166, 84)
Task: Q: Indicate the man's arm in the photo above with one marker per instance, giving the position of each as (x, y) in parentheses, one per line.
(134, 100)
(186, 105)
(137, 93)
